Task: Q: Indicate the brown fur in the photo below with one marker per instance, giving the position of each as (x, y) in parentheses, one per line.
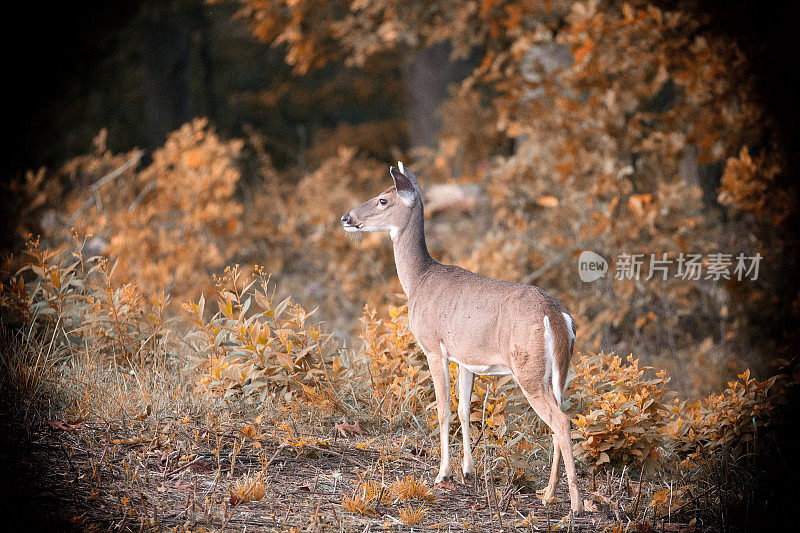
(479, 321)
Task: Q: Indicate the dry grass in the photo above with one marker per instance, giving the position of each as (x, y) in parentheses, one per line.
(248, 488)
(27, 363)
(362, 501)
(412, 516)
(410, 488)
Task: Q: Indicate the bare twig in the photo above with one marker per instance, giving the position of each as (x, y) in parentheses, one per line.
(687, 502)
(182, 468)
(69, 460)
(274, 455)
(334, 452)
(95, 198)
(560, 258)
(638, 493)
(149, 187)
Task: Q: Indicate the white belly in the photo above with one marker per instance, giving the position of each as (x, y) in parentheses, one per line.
(484, 370)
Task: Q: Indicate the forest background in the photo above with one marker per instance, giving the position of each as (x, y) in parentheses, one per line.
(178, 138)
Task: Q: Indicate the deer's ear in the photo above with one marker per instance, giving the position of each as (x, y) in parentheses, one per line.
(410, 175)
(405, 187)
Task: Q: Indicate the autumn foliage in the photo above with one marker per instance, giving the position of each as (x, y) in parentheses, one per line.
(616, 128)
(614, 118)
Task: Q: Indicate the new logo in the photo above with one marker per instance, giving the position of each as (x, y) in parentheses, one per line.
(591, 266)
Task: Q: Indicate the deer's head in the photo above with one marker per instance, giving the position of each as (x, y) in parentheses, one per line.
(391, 209)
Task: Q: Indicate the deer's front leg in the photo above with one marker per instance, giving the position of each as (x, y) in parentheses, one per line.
(440, 373)
(465, 381)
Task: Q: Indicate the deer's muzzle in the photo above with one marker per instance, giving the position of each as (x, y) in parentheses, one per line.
(350, 223)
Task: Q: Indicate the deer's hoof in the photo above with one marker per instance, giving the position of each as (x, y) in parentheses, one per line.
(546, 494)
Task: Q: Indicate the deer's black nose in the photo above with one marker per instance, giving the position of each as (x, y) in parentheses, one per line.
(346, 219)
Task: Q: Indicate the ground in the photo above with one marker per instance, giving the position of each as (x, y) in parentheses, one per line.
(143, 475)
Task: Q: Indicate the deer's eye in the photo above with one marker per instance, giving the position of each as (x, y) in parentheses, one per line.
(382, 201)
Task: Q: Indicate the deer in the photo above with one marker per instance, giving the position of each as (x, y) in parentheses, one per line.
(486, 326)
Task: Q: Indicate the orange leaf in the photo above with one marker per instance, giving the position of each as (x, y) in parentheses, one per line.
(547, 201)
(581, 53)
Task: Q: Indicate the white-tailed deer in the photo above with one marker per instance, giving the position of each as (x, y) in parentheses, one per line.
(486, 326)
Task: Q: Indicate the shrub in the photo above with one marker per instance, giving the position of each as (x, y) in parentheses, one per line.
(625, 415)
(257, 349)
(731, 422)
(100, 347)
(77, 298)
(176, 219)
(621, 415)
(400, 384)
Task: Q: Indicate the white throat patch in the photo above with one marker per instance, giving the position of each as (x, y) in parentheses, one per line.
(393, 230)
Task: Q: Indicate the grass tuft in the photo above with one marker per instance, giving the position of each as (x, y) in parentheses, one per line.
(410, 488)
(411, 516)
(248, 488)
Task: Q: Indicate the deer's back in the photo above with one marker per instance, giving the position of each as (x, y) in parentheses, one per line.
(474, 315)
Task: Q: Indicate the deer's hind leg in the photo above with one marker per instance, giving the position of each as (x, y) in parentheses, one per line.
(544, 403)
(550, 491)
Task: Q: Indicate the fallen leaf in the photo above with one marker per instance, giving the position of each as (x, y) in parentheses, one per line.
(308, 487)
(57, 424)
(347, 429)
(178, 485)
(528, 522)
(660, 498)
(138, 439)
(201, 466)
(446, 485)
(638, 202)
(146, 413)
(64, 426)
(364, 445)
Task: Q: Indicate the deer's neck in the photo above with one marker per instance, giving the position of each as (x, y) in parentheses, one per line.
(411, 255)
